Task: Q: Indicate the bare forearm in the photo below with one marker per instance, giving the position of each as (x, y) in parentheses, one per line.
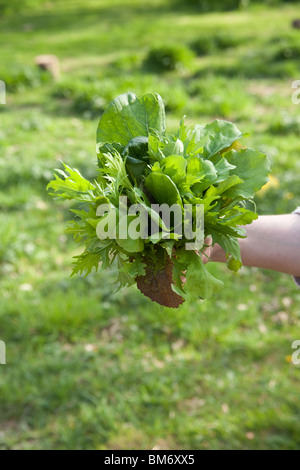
(273, 242)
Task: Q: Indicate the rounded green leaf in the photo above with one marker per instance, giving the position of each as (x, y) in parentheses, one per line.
(163, 189)
(128, 116)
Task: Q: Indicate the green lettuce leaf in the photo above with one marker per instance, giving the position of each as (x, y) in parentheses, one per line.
(219, 134)
(175, 167)
(252, 167)
(128, 116)
(200, 283)
(163, 189)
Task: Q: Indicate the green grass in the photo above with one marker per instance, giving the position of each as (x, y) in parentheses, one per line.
(91, 369)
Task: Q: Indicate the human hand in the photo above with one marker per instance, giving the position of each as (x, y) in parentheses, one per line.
(207, 252)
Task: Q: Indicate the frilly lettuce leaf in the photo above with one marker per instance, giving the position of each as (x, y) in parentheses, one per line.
(219, 134)
(252, 167)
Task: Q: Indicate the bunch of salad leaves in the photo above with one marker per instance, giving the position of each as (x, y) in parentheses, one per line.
(137, 158)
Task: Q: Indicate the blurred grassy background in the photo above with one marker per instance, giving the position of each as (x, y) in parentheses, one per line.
(87, 368)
